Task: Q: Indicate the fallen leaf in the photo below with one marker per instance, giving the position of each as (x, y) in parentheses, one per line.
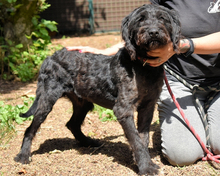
(22, 171)
(55, 151)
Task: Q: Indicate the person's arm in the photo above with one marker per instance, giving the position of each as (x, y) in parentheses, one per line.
(208, 44)
(203, 45)
(86, 49)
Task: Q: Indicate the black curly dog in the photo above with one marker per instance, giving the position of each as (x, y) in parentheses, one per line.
(118, 82)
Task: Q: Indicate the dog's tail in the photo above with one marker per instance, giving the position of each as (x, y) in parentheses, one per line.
(31, 111)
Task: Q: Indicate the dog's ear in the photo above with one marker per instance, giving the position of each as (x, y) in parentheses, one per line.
(176, 29)
(127, 36)
(176, 26)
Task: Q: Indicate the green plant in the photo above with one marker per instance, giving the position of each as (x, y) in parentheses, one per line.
(108, 45)
(12, 56)
(9, 115)
(16, 60)
(40, 34)
(9, 112)
(105, 114)
(7, 131)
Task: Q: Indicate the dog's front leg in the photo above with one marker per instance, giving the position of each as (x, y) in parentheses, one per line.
(141, 156)
(145, 116)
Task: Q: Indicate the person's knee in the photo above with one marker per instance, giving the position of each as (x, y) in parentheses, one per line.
(215, 143)
(214, 123)
(182, 156)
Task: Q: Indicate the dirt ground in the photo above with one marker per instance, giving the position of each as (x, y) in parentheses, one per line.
(55, 151)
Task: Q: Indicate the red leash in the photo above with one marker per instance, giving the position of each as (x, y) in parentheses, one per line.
(209, 156)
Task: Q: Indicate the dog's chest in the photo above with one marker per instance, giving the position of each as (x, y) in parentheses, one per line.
(149, 84)
(145, 85)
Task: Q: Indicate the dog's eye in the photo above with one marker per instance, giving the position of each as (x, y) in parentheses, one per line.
(141, 19)
(161, 18)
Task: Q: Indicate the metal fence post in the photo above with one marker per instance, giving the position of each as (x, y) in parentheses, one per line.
(91, 16)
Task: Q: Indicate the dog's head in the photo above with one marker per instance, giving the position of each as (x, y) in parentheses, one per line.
(149, 27)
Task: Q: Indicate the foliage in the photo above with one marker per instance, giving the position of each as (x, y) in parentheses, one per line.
(27, 65)
(9, 115)
(105, 114)
(9, 112)
(15, 59)
(40, 33)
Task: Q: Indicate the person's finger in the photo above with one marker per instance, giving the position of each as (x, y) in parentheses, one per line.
(81, 49)
(155, 51)
(71, 48)
(155, 62)
(153, 54)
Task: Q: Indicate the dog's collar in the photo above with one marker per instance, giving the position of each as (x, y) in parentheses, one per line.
(143, 60)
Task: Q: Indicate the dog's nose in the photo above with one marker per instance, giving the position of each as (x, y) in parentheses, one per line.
(153, 32)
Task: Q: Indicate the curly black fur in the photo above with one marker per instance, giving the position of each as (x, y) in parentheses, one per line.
(118, 82)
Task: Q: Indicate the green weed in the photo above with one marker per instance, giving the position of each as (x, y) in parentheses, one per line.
(9, 115)
(105, 114)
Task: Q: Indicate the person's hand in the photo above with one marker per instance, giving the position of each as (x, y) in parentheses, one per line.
(162, 55)
(85, 49)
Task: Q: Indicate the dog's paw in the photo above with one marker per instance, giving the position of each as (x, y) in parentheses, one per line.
(23, 158)
(149, 169)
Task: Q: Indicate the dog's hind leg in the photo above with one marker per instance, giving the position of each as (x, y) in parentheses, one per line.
(80, 109)
(45, 104)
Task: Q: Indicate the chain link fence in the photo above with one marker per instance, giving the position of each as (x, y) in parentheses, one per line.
(89, 16)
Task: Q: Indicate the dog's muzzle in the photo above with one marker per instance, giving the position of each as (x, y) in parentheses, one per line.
(153, 33)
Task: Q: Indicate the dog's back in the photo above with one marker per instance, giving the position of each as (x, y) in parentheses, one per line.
(89, 76)
(96, 78)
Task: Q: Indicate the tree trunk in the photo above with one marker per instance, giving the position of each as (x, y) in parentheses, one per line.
(20, 24)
